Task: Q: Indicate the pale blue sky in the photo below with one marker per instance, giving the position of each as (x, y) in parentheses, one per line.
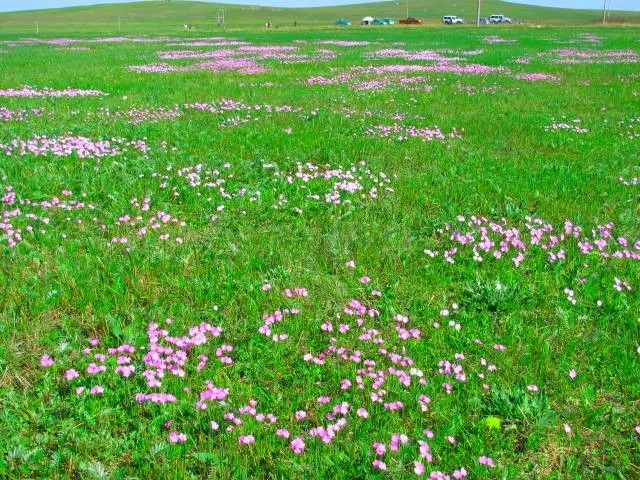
(9, 5)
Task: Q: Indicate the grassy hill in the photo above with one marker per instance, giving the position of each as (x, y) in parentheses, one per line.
(169, 16)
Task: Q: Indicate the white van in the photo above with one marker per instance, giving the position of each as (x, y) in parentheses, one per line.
(499, 19)
(452, 20)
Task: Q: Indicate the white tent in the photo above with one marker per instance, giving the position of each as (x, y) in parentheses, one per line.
(367, 20)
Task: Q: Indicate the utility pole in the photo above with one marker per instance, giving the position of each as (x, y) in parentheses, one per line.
(119, 26)
(407, 9)
(478, 17)
(37, 28)
(605, 10)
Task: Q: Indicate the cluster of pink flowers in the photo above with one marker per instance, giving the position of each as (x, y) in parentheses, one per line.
(228, 105)
(417, 83)
(403, 133)
(68, 145)
(22, 216)
(305, 186)
(420, 55)
(498, 239)
(142, 222)
(30, 92)
(344, 43)
(493, 39)
(576, 56)
(423, 453)
(590, 38)
(136, 115)
(164, 363)
(536, 77)
(357, 74)
(164, 354)
(484, 89)
(72, 41)
(571, 126)
(241, 58)
(7, 115)
(337, 185)
(241, 66)
(282, 53)
(269, 319)
(209, 42)
(190, 54)
(285, 53)
(487, 461)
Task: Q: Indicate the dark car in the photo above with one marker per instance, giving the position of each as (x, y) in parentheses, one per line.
(411, 21)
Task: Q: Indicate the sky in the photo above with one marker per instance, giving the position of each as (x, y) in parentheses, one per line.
(10, 5)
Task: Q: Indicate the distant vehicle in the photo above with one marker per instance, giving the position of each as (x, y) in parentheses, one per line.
(383, 21)
(452, 20)
(499, 19)
(343, 23)
(411, 21)
(484, 21)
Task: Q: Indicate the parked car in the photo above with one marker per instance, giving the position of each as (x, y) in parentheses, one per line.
(499, 19)
(452, 20)
(411, 21)
(484, 21)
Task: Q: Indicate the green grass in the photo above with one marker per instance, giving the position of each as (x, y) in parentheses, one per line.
(169, 17)
(56, 292)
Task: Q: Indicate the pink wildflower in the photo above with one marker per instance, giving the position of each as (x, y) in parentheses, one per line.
(297, 445)
(46, 361)
(96, 390)
(488, 461)
(177, 437)
(379, 448)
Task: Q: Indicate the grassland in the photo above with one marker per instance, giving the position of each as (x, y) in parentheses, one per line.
(168, 17)
(533, 364)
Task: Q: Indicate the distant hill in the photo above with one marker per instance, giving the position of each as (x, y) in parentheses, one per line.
(169, 16)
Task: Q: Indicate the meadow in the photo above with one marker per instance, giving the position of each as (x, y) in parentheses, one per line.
(359, 253)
